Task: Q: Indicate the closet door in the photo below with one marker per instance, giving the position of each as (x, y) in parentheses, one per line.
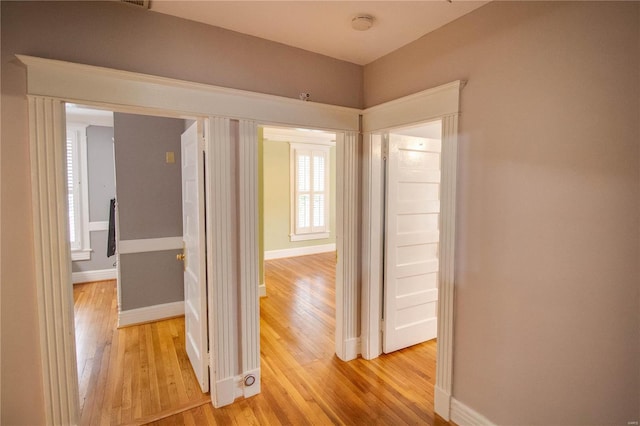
(411, 246)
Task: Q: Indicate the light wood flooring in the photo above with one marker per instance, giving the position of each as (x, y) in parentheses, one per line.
(141, 375)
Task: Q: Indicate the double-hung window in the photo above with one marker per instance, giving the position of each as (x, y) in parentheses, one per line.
(310, 191)
(78, 192)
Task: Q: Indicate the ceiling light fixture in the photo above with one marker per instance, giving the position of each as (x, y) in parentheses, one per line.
(362, 22)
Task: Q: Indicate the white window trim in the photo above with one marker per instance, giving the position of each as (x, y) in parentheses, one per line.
(306, 236)
(84, 252)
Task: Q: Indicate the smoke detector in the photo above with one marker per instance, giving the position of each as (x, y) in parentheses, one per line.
(362, 22)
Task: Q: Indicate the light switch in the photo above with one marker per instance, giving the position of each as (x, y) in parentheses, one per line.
(170, 157)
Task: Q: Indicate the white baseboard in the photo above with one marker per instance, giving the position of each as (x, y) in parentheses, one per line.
(262, 290)
(349, 349)
(442, 403)
(98, 226)
(89, 276)
(463, 415)
(298, 251)
(225, 391)
(150, 313)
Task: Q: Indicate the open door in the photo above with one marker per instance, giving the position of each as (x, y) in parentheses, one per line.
(411, 246)
(193, 231)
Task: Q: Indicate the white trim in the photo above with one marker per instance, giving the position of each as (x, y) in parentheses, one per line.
(440, 103)
(247, 147)
(97, 275)
(47, 129)
(83, 254)
(463, 415)
(99, 226)
(149, 244)
(308, 237)
(441, 401)
(115, 89)
(352, 346)
(299, 251)
(227, 390)
(303, 136)
(430, 104)
(150, 313)
(446, 274)
(347, 243)
(262, 290)
(254, 389)
(372, 249)
(222, 242)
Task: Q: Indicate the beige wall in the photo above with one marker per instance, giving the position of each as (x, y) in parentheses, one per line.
(547, 287)
(117, 36)
(277, 198)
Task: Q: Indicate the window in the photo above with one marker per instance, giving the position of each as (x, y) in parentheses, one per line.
(309, 191)
(77, 192)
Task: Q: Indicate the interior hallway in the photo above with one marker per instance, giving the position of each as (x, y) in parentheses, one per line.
(303, 382)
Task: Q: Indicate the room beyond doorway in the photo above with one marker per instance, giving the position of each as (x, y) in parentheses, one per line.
(297, 193)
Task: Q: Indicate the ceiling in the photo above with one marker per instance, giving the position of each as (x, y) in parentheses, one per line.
(325, 26)
(81, 114)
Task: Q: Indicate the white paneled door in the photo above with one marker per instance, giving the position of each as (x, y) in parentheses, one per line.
(193, 231)
(411, 245)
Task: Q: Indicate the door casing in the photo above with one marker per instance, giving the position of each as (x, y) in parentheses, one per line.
(440, 103)
(50, 83)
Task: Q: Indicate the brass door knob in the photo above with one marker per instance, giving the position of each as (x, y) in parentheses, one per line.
(180, 256)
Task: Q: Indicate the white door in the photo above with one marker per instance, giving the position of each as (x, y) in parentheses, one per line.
(411, 245)
(193, 231)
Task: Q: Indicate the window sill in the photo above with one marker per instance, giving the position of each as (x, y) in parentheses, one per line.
(80, 254)
(305, 237)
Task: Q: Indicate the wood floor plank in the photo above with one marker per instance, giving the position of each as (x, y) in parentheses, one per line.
(141, 374)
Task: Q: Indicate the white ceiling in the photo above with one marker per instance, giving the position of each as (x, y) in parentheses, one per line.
(81, 114)
(432, 130)
(325, 26)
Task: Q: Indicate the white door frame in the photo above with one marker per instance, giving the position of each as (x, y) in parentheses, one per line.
(440, 103)
(51, 83)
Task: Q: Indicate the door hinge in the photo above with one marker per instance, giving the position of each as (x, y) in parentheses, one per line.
(385, 147)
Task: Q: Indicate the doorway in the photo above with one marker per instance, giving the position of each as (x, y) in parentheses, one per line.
(297, 221)
(297, 192)
(411, 235)
(132, 339)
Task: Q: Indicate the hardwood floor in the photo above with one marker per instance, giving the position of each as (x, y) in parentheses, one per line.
(129, 373)
(303, 382)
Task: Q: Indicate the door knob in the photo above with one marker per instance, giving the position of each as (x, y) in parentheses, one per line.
(180, 256)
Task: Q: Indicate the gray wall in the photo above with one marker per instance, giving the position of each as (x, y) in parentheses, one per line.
(102, 188)
(547, 267)
(149, 206)
(151, 278)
